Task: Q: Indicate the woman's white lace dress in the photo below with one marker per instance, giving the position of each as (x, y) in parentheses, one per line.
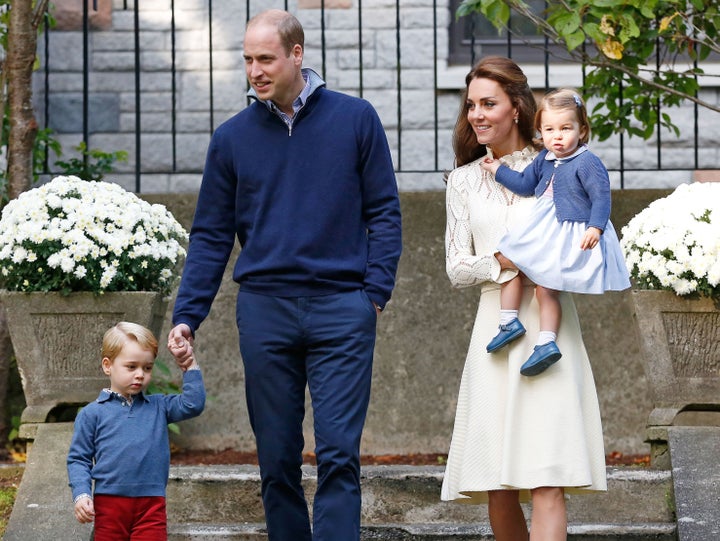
(513, 431)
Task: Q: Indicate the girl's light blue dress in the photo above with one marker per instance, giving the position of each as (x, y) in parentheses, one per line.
(548, 251)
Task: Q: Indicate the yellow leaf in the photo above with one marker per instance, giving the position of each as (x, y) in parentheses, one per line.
(612, 49)
(665, 22)
(606, 27)
(18, 456)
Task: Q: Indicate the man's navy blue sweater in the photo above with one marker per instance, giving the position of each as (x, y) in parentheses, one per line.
(315, 208)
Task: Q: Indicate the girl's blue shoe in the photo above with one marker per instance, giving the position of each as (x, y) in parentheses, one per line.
(508, 332)
(541, 359)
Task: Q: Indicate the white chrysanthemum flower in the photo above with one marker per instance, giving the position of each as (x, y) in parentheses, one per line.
(107, 276)
(19, 254)
(74, 226)
(67, 264)
(674, 243)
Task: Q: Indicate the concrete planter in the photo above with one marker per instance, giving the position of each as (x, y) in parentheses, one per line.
(57, 341)
(679, 341)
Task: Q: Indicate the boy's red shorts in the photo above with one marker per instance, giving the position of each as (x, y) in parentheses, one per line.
(120, 518)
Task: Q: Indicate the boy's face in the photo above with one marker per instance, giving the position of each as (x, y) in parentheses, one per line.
(131, 371)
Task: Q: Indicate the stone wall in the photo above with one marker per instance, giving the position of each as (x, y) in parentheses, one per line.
(422, 340)
(418, 106)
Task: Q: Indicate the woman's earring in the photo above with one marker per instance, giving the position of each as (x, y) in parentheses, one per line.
(516, 120)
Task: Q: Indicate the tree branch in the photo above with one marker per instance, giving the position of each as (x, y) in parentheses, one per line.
(39, 14)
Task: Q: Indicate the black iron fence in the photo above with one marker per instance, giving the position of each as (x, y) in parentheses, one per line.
(366, 48)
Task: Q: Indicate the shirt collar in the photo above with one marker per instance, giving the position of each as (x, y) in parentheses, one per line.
(312, 82)
(106, 395)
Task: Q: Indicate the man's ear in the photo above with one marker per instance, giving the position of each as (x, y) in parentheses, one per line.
(297, 54)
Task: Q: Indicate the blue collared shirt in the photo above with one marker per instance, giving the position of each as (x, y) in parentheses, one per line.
(298, 104)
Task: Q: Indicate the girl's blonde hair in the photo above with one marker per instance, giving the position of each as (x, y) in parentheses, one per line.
(565, 98)
(117, 336)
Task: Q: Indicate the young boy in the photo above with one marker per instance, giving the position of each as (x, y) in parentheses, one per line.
(121, 442)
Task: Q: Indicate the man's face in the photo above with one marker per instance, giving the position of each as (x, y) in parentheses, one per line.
(272, 73)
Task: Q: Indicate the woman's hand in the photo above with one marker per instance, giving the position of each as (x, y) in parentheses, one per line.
(590, 238)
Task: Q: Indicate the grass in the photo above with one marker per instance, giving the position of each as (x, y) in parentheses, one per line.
(9, 482)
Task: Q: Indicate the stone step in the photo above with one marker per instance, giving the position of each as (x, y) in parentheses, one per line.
(429, 532)
(408, 496)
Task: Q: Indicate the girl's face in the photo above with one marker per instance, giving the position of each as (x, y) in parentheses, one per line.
(560, 131)
(492, 116)
(131, 371)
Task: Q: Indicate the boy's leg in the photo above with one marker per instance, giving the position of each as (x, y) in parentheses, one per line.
(113, 517)
(274, 359)
(150, 521)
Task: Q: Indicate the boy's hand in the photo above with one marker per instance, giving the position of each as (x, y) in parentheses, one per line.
(590, 238)
(84, 510)
(183, 353)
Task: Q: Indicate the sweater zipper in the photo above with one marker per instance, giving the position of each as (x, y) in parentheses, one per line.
(293, 120)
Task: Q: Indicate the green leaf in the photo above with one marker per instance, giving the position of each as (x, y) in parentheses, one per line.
(574, 40)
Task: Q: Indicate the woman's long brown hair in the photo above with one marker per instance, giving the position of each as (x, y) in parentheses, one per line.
(514, 82)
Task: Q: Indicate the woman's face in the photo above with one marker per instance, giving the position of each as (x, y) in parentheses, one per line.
(491, 114)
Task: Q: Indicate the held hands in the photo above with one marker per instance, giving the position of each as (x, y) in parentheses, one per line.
(180, 344)
(590, 238)
(84, 510)
(490, 165)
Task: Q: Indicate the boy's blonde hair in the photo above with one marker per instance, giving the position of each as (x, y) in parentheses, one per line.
(565, 98)
(116, 337)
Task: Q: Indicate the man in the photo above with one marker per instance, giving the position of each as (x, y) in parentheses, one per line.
(303, 177)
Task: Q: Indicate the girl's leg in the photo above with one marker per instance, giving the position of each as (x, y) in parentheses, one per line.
(546, 351)
(511, 294)
(506, 516)
(510, 327)
(550, 309)
(549, 517)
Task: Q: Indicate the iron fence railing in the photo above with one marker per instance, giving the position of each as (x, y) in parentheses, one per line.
(352, 40)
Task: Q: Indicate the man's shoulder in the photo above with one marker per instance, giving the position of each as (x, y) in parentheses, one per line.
(244, 115)
(242, 124)
(341, 99)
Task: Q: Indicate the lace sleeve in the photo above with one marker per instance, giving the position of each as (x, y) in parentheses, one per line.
(463, 266)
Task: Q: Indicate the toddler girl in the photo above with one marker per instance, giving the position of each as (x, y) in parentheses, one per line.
(568, 242)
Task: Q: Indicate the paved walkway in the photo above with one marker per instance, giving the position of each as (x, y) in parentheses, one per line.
(695, 457)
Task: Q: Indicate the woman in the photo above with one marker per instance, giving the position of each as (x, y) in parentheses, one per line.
(515, 438)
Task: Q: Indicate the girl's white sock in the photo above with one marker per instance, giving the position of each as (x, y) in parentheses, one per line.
(545, 337)
(506, 316)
